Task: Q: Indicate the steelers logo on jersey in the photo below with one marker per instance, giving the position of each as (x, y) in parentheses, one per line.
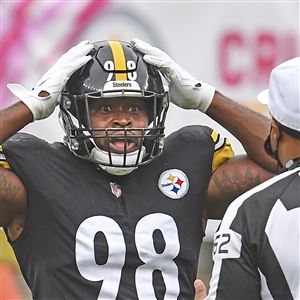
(173, 183)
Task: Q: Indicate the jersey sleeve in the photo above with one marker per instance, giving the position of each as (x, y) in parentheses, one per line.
(6, 251)
(3, 161)
(223, 150)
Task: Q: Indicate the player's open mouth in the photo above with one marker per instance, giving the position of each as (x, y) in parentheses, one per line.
(121, 145)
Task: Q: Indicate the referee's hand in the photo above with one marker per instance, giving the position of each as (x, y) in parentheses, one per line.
(200, 290)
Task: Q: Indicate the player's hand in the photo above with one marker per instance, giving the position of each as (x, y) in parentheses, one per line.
(200, 290)
(185, 91)
(43, 98)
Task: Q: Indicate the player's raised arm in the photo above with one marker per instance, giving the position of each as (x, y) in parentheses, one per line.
(35, 104)
(231, 179)
(13, 196)
(187, 92)
(250, 127)
(13, 118)
(40, 102)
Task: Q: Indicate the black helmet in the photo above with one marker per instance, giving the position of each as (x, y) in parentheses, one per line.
(115, 71)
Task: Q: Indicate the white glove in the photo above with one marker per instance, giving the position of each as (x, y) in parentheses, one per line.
(53, 81)
(185, 91)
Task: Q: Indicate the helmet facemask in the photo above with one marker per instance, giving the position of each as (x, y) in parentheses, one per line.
(97, 144)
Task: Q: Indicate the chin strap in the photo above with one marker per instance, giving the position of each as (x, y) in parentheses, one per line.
(102, 158)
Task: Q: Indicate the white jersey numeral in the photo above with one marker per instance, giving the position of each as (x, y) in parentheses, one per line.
(85, 254)
(110, 272)
(157, 261)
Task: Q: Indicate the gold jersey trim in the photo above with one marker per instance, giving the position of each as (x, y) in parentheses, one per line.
(7, 254)
(223, 150)
(3, 162)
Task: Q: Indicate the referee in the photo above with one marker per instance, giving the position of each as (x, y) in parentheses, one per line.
(256, 249)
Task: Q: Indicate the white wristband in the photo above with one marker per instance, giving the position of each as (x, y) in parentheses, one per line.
(206, 95)
(37, 105)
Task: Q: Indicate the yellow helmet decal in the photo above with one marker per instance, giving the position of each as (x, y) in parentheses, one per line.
(119, 59)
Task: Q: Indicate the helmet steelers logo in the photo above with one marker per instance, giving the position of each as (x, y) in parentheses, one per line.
(173, 183)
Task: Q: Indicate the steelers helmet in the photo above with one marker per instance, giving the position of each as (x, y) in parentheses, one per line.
(116, 70)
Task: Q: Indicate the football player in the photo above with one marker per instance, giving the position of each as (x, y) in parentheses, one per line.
(115, 212)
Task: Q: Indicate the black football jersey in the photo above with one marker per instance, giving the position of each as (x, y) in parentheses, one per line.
(92, 235)
(257, 247)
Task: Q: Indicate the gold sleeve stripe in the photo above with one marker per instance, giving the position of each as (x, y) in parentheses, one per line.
(214, 136)
(5, 165)
(220, 142)
(218, 139)
(119, 59)
(3, 162)
(223, 150)
(222, 154)
(7, 254)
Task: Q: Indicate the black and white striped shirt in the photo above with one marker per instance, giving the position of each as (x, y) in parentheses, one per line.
(257, 245)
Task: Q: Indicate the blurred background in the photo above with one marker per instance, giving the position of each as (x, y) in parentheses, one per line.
(232, 45)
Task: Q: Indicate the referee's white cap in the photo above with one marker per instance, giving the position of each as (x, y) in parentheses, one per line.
(283, 95)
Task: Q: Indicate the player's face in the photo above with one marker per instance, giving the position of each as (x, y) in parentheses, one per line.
(119, 113)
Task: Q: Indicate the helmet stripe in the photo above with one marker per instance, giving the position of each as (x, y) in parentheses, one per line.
(119, 59)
